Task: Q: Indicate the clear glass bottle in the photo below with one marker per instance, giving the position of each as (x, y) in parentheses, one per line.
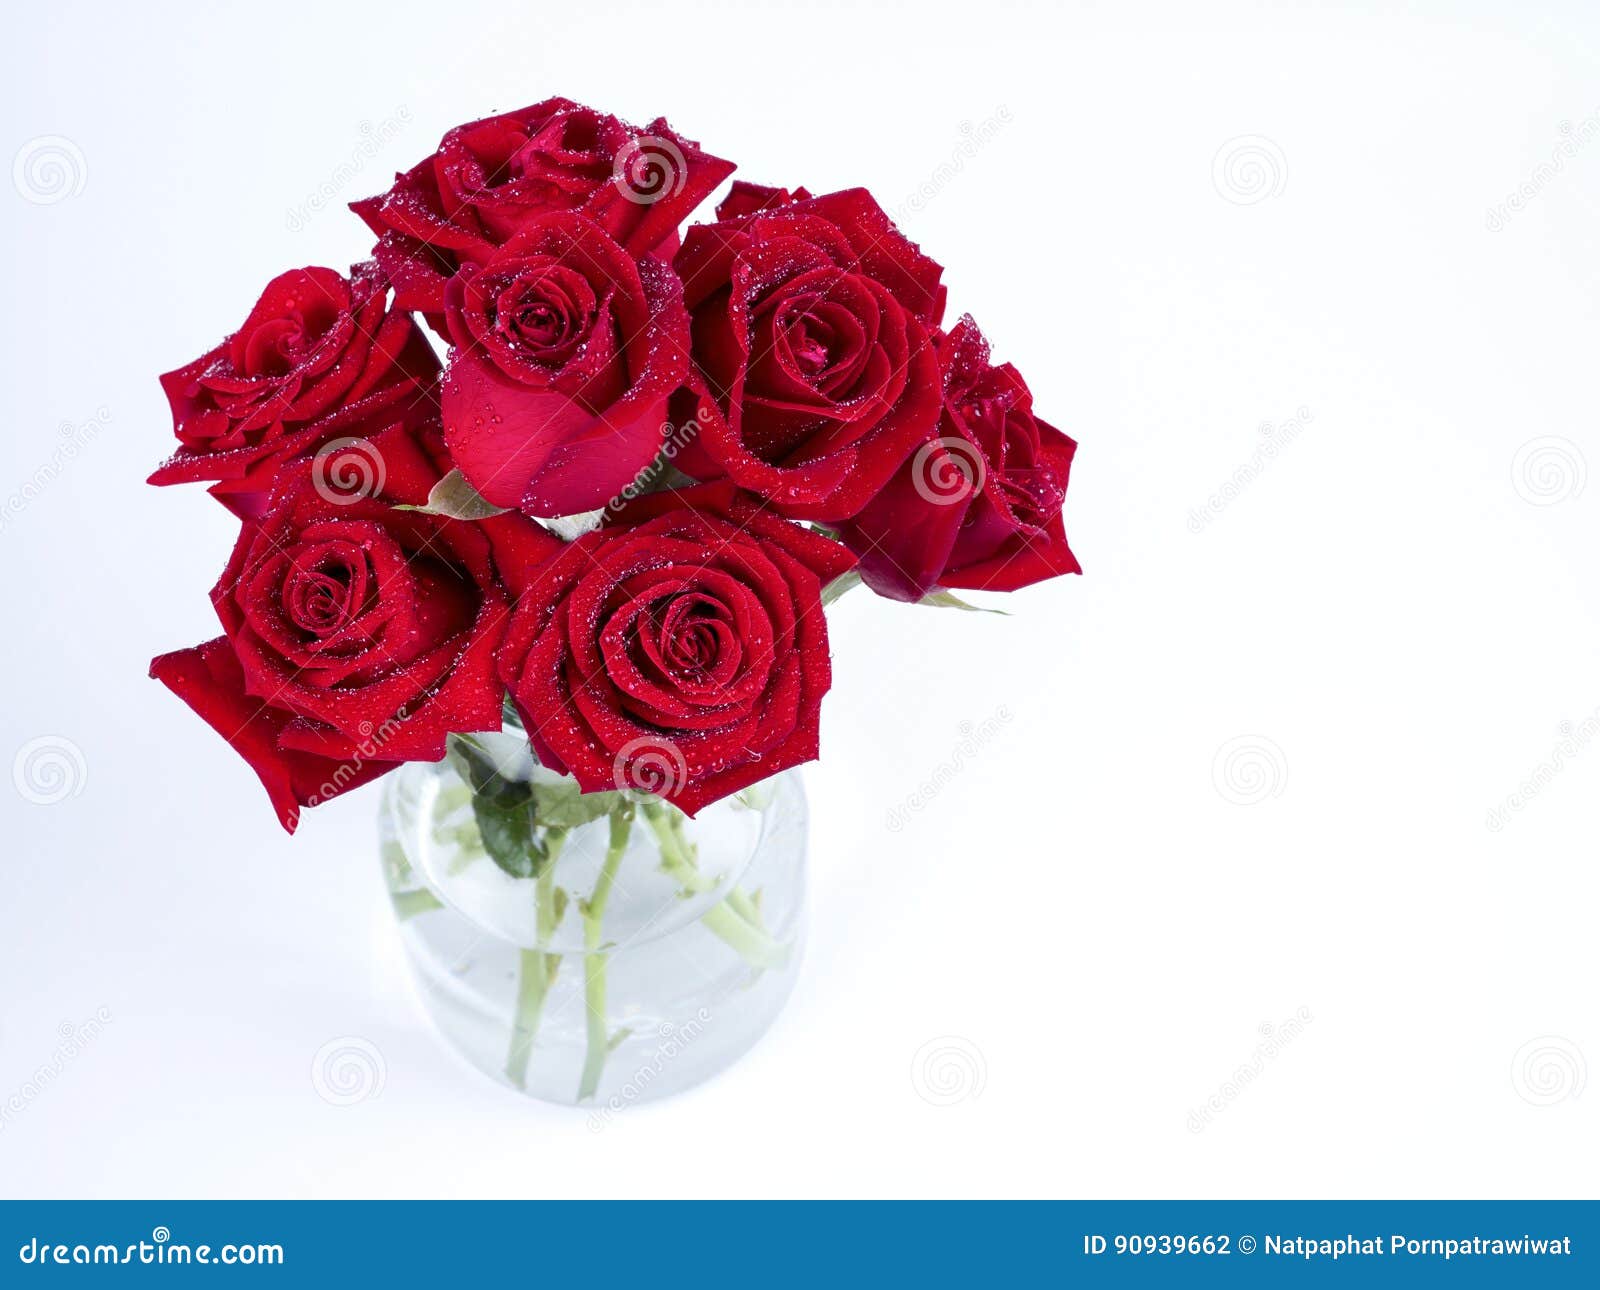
(622, 957)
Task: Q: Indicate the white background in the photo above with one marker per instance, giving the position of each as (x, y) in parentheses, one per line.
(1399, 612)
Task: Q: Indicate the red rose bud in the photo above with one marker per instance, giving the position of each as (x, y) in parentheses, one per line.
(566, 350)
(356, 636)
(680, 649)
(489, 179)
(318, 355)
(813, 368)
(978, 504)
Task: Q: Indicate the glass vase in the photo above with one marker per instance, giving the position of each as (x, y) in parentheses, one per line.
(597, 961)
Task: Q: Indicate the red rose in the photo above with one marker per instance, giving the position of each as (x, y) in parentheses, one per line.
(745, 198)
(814, 375)
(356, 636)
(680, 648)
(566, 350)
(978, 505)
(318, 355)
(491, 177)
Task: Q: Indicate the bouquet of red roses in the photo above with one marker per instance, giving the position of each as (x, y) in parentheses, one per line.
(648, 459)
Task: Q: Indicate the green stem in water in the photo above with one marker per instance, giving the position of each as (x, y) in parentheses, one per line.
(538, 967)
(751, 943)
(594, 959)
(735, 920)
(408, 904)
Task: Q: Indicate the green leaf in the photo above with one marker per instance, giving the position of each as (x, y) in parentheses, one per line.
(939, 598)
(471, 761)
(456, 499)
(508, 836)
(839, 586)
(569, 528)
(566, 806)
(478, 767)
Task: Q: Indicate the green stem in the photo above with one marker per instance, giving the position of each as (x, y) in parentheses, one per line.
(594, 959)
(408, 904)
(537, 967)
(734, 920)
(533, 983)
(744, 906)
(753, 945)
(740, 901)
